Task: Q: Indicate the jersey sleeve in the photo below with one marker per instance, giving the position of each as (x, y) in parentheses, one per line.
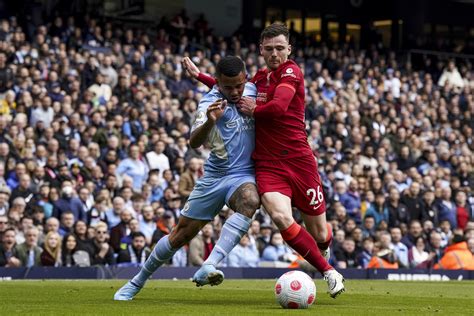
(207, 80)
(250, 90)
(290, 76)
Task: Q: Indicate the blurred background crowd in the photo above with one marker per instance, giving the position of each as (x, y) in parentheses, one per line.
(95, 163)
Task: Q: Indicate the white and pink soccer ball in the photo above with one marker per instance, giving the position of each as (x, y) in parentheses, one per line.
(295, 289)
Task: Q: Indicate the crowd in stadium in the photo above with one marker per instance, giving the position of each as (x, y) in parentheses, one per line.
(95, 163)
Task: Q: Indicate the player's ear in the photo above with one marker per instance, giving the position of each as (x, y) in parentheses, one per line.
(261, 49)
(289, 49)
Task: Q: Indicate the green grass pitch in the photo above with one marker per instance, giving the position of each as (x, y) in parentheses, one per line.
(233, 297)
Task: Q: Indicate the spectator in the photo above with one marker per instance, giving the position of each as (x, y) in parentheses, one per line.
(383, 259)
(157, 160)
(137, 252)
(400, 250)
(364, 257)
(52, 225)
(82, 240)
(451, 77)
(378, 210)
(8, 252)
(67, 223)
(134, 167)
(435, 250)
(113, 215)
(29, 252)
(351, 200)
(446, 207)
(3, 225)
(97, 213)
(417, 254)
(201, 246)
(121, 230)
(346, 256)
(463, 210)
(188, 179)
(398, 212)
(103, 252)
(134, 228)
(430, 209)
(368, 226)
(71, 255)
(415, 231)
(163, 227)
(263, 240)
(147, 223)
(277, 250)
(51, 255)
(244, 255)
(69, 203)
(457, 256)
(412, 200)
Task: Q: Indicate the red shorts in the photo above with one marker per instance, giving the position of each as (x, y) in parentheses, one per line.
(297, 178)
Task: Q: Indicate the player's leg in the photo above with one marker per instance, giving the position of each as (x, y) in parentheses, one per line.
(279, 208)
(244, 200)
(317, 224)
(321, 231)
(309, 199)
(164, 250)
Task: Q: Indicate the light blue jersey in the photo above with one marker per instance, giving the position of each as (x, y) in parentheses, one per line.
(230, 163)
(232, 139)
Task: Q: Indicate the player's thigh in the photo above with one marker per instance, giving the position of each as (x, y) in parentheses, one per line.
(306, 186)
(186, 230)
(272, 176)
(278, 206)
(243, 196)
(316, 225)
(206, 200)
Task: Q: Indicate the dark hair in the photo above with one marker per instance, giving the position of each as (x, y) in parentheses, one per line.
(137, 234)
(274, 30)
(230, 66)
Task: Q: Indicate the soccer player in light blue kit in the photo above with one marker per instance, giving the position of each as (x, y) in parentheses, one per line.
(229, 178)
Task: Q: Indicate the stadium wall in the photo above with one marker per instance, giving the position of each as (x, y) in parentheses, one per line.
(231, 273)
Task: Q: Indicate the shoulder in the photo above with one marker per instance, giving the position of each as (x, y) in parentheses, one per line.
(210, 97)
(250, 89)
(261, 74)
(289, 69)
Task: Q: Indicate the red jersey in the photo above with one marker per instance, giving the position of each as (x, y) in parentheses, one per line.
(280, 134)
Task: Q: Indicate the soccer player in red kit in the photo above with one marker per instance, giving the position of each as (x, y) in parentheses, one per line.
(286, 170)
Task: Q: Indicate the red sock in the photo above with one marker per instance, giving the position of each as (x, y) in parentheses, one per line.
(325, 245)
(302, 242)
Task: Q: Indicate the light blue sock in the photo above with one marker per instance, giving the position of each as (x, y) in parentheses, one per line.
(234, 228)
(160, 254)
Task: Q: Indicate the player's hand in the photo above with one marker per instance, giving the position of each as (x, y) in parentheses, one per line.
(190, 68)
(216, 110)
(246, 106)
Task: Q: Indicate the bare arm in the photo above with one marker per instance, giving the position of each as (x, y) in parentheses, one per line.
(193, 71)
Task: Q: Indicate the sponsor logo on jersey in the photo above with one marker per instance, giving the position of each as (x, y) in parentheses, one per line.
(262, 97)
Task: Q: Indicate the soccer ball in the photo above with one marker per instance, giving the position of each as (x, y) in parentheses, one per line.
(295, 289)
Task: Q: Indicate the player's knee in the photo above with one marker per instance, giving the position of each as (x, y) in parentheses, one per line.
(250, 204)
(282, 220)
